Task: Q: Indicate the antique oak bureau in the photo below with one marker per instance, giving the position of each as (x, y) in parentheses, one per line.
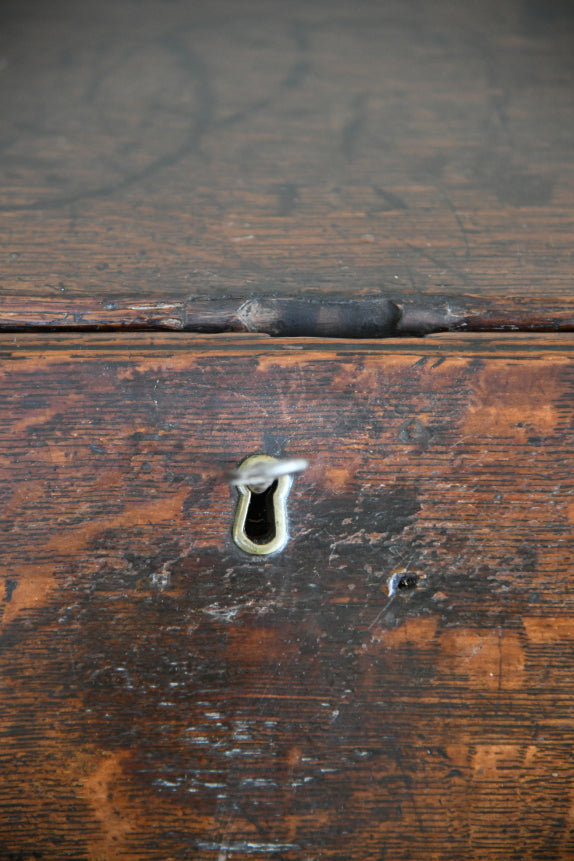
(324, 231)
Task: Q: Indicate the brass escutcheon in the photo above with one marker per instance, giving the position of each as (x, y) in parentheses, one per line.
(260, 525)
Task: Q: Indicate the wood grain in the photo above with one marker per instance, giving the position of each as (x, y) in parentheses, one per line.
(182, 151)
(163, 696)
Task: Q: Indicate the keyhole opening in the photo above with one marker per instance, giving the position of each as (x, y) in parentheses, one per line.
(260, 525)
(260, 517)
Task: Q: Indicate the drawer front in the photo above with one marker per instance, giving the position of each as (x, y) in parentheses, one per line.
(396, 682)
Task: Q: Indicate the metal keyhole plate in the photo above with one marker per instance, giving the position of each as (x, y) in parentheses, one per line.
(260, 525)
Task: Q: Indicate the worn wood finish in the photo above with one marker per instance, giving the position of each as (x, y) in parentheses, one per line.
(181, 150)
(163, 696)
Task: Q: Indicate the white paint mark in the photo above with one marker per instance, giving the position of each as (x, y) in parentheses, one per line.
(161, 306)
(160, 579)
(246, 846)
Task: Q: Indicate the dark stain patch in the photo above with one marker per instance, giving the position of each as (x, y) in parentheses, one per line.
(420, 363)
(392, 511)
(438, 362)
(414, 432)
(9, 586)
(287, 199)
(528, 555)
(329, 540)
(388, 202)
(347, 525)
(541, 16)
(22, 856)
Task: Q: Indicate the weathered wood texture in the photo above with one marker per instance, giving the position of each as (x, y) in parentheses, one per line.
(163, 696)
(240, 148)
(291, 317)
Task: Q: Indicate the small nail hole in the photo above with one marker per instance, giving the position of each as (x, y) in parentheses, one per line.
(403, 581)
(407, 581)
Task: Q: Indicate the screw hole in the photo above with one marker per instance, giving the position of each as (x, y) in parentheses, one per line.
(403, 581)
(407, 581)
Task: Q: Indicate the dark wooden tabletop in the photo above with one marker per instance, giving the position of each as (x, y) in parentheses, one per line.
(174, 151)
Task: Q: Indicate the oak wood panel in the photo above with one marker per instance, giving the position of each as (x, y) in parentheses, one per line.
(163, 696)
(179, 150)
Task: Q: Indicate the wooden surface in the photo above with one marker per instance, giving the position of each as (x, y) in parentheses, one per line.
(153, 154)
(163, 696)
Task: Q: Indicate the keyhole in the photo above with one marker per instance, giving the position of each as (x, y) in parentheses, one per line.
(260, 524)
(260, 517)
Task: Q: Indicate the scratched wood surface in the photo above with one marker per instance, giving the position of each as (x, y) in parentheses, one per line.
(163, 696)
(180, 151)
